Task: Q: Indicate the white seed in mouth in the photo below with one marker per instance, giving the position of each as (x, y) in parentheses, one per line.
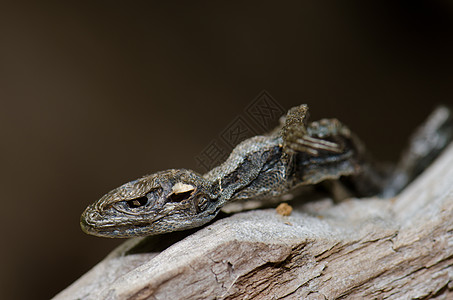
(180, 187)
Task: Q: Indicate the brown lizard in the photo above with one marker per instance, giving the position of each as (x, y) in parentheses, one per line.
(296, 153)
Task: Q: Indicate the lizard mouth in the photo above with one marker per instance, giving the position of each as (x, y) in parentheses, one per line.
(87, 226)
(90, 223)
(94, 223)
(111, 230)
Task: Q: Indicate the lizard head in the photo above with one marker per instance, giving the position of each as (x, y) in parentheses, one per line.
(162, 202)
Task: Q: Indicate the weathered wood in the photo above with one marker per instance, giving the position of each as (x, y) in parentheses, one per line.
(398, 248)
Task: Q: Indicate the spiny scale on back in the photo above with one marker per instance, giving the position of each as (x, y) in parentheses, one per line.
(295, 153)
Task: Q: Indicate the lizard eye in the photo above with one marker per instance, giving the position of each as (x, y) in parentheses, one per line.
(178, 197)
(140, 202)
(134, 203)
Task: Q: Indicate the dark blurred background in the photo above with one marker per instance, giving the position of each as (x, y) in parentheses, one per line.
(96, 93)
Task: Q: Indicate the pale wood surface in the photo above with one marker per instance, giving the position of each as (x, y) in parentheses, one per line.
(399, 248)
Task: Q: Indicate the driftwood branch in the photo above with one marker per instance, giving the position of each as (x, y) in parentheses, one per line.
(398, 248)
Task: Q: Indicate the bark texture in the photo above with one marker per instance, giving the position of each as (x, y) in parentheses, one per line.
(399, 248)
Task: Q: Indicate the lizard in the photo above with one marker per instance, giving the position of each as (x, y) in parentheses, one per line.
(296, 153)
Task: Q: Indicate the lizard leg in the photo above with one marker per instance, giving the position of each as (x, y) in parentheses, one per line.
(328, 150)
(311, 138)
(320, 150)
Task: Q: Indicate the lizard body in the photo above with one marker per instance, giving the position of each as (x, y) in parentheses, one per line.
(295, 153)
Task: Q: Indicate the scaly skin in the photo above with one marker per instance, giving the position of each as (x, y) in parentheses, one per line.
(294, 154)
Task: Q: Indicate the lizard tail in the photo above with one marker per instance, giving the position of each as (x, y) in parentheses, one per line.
(425, 145)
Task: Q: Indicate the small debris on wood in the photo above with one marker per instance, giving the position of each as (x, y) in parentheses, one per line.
(284, 209)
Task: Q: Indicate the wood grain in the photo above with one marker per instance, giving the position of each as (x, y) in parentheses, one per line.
(400, 248)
